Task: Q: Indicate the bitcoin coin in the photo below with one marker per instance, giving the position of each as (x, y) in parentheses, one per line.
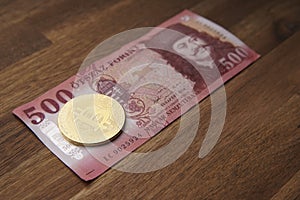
(91, 119)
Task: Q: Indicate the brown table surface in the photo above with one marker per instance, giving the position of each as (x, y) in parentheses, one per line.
(258, 154)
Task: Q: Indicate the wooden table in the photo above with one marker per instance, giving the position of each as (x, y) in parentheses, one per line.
(258, 154)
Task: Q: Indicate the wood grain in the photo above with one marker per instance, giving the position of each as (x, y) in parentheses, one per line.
(258, 154)
(21, 40)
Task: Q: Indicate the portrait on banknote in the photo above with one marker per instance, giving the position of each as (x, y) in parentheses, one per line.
(192, 53)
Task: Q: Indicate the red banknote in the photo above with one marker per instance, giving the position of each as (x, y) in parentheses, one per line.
(156, 78)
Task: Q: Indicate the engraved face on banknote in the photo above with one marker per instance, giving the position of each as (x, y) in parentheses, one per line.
(194, 49)
(195, 54)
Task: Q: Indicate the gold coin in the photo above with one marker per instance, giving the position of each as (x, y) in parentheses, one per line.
(91, 119)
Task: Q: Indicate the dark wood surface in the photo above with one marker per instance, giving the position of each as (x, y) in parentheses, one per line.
(258, 153)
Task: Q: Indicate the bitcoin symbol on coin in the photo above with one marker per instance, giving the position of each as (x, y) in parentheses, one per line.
(91, 119)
